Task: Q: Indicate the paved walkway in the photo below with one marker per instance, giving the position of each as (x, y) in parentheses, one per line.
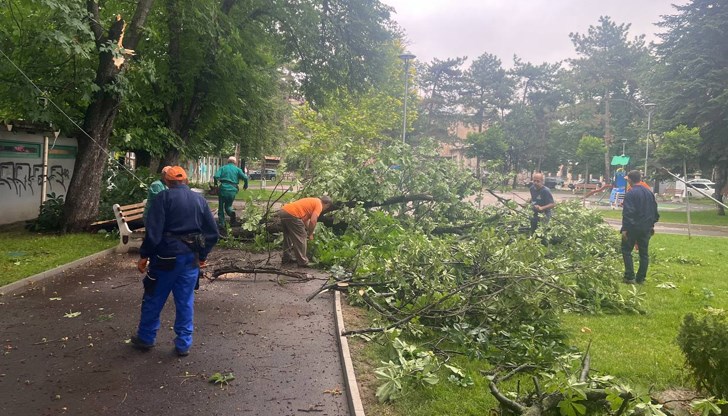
(281, 349)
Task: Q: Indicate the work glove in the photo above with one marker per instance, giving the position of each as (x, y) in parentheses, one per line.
(142, 265)
(245, 187)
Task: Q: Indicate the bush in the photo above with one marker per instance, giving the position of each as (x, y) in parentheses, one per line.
(703, 339)
(51, 215)
(122, 187)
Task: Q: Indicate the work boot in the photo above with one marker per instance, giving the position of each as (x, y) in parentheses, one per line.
(139, 344)
(233, 219)
(181, 353)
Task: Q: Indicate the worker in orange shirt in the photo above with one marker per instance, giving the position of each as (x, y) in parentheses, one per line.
(299, 220)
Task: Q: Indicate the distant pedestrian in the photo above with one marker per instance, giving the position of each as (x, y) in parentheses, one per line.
(154, 188)
(299, 220)
(639, 215)
(229, 176)
(180, 233)
(541, 201)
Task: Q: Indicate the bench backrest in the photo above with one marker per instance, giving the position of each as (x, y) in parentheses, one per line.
(128, 213)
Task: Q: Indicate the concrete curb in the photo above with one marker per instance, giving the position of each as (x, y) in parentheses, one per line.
(22, 283)
(356, 408)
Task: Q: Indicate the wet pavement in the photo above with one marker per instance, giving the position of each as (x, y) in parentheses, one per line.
(281, 350)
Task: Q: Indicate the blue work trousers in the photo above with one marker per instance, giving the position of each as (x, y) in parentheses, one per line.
(642, 240)
(180, 280)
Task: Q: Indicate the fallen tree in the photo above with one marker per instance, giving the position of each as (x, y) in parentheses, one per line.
(437, 269)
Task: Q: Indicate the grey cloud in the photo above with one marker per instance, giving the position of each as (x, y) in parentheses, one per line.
(535, 30)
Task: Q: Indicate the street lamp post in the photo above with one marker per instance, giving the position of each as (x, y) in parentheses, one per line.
(624, 141)
(650, 107)
(406, 57)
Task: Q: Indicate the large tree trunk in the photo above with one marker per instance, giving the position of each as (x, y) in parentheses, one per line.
(84, 191)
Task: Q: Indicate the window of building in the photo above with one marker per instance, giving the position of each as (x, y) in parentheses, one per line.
(10, 148)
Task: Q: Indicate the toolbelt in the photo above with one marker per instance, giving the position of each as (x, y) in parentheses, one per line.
(195, 241)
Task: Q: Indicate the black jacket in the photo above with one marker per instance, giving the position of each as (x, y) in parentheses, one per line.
(639, 211)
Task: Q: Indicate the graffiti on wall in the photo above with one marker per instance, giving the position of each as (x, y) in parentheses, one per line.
(23, 177)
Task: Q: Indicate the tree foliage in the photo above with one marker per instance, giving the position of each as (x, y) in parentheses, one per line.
(203, 75)
(607, 70)
(693, 79)
(441, 85)
(487, 91)
(589, 151)
(702, 339)
(679, 145)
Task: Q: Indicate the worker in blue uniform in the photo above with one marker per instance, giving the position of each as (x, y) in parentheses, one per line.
(180, 233)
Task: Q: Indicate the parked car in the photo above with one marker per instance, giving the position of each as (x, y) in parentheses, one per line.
(581, 181)
(553, 182)
(705, 185)
(269, 174)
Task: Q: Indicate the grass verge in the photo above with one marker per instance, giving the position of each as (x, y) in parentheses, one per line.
(24, 253)
(264, 195)
(685, 275)
(706, 217)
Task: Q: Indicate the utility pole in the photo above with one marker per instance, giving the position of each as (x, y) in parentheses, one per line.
(406, 57)
(650, 107)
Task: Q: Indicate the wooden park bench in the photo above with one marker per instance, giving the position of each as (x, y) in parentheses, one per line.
(125, 215)
(585, 186)
(673, 194)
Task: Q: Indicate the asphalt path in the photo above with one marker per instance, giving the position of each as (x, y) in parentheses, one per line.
(66, 351)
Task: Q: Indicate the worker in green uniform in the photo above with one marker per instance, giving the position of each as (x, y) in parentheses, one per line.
(154, 188)
(228, 176)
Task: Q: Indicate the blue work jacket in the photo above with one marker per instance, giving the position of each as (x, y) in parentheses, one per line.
(177, 211)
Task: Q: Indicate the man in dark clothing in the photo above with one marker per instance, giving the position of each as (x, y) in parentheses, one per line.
(541, 201)
(639, 215)
(180, 232)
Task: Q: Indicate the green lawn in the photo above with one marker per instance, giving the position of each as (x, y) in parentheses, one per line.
(264, 194)
(638, 349)
(709, 217)
(24, 253)
(641, 348)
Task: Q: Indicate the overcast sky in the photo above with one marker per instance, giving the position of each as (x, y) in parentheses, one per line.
(535, 30)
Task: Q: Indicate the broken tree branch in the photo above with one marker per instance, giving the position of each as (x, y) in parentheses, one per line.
(258, 269)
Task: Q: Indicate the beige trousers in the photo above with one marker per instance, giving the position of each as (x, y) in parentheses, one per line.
(295, 239)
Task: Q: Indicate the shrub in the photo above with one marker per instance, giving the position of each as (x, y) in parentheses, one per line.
(703, 338)
(123, 187)
(51, 215)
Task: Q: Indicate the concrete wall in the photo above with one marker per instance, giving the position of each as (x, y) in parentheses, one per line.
(21, 172)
